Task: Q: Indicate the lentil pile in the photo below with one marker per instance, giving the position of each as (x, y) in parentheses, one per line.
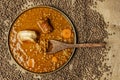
(86, 64)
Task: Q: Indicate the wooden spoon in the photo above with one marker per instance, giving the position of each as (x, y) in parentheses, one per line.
(56, 46)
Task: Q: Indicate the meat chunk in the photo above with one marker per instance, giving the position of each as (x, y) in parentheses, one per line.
(44, 25)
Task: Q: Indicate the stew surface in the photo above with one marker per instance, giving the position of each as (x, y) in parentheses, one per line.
(32, 55)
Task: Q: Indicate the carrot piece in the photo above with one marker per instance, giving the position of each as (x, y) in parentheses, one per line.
(30, 63)
(66, 33)
(54, 59)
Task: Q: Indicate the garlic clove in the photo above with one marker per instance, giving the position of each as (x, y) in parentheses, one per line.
(27, 35)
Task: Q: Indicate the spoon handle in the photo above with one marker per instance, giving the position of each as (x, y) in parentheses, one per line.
(86, 45)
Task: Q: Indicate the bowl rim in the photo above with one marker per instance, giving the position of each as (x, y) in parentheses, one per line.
(65, 16)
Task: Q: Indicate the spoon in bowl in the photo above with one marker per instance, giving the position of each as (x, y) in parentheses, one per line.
(56, 46)
(53, 46)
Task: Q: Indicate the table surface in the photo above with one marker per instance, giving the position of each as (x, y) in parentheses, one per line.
(94, 21)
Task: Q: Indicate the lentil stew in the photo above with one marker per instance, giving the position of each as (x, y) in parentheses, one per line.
(31, 55)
